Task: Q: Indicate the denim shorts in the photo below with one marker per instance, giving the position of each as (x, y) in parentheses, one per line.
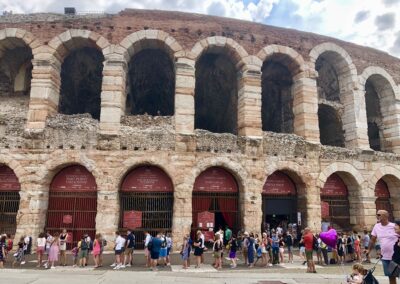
(385, 264)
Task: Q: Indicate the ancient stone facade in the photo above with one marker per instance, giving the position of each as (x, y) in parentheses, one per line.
(37, 140)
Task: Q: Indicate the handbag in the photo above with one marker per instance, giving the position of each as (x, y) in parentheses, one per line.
(394, 269)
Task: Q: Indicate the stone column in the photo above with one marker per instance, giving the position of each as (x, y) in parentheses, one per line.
(362, 211)
(113, 96)
(184, 96)
(391, 122)
(249, 103)
(182, 213)
(108, 213)
(305, 106)
(395, 201)
(31, 218)
(250, 206)
(45, 90)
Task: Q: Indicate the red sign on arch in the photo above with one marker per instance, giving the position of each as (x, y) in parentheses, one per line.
(381, 189)
(215, 180)
(8, 180)
(279, 184)
(74, 178)
(147, 179)
(334, 186)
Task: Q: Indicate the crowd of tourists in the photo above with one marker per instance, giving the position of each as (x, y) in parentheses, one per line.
(273, 247)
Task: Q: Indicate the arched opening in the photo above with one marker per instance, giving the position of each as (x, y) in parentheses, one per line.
(382, 201)
(330, 105)
(9, 200)
(151, 83)
(215, 202)
(335, 206)
(280, 203)
(81, 80)
(73, 203)
(146, 202)
(277, 96)
(330, 129)
(216, 93)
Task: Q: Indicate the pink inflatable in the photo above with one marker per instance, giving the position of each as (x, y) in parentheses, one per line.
(329, 238)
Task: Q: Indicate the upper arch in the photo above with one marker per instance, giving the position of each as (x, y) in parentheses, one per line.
(28, 38)
(378, 71)
(340, 167)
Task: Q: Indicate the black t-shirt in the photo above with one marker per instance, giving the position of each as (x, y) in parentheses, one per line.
(131, 239)
(289, 240)
(396, 253)
(349, 242)
(234, 245)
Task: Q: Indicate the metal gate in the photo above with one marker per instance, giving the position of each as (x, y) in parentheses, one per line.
(73, 203)
(9, 200)
(382, 195)
(146, 202)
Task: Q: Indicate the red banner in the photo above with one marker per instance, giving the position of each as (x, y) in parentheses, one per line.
(215, 179)
(147, 179)
(206, 219)
(334, 186)
(132, 219)
(324, 209)
(279, 184)
(8, 180)
(67, 219)
(381, 189)
(74, 178)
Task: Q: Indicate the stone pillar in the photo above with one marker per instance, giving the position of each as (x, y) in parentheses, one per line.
(113, 96)
(108, 213)
(31, 218)
(184, 96)
(182, 214)
(249, 103)
(45, 90)
(311, 214)
(362, 211)
(391, 122)
(250, 206)
(305, 106)
(395, 201)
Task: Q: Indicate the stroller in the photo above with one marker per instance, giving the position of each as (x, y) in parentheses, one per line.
(369, 277)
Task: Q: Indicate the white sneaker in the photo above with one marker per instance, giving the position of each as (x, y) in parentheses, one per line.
(52, 267)
(117, 267)
(113, 265)
(45, 265)
(128, 265)
(122, 266)
(23, 262)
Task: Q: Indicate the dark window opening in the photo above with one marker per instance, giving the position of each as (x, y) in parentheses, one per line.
(216, 94)
(374, 117)
(151, 84)
(327, 81)
(277, 99)
(81, 78)
(330, 126)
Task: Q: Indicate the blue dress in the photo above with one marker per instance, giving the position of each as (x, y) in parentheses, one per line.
(250, 251)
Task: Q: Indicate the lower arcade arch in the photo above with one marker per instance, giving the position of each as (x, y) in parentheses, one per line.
(215, 202)
(9, 200)
(146, 202)
(73, 203)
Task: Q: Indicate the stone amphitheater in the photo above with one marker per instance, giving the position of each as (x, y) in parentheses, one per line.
(168, 121)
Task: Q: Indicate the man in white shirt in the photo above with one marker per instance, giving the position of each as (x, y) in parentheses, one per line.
(146, 250)
(119, 249)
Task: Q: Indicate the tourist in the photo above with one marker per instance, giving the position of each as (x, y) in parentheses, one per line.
(97, 250)
(49, 240)
(130, 246)
(185, 251)
(281, 249)
(302, 249)
(90, 248)
(251, 249)
(309, 247)
(340, 249)
(169, 247)
(233, 247)
(228, 235)
(83, 248)
(41, 244)
(198, 250)
(357, 248)
(350, 246)
(396, 247)
(275, 248)
(74, 255)
(385, 232)
(217, 251)
(27, 247)
(289, 240)
(19, 253)
(365, 242)
(119, 249)
(324, 251)
(63, 247)
(54, 250)
(155, 251)
(357, 277)
(103, 244)
(147, 240)
(163, 250)
(2, 250)
(319, 250)
(203, 246)
(245, 245)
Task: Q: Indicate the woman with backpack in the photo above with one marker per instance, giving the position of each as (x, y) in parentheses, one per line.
(163, 250)
(83, 248)
(217, 251)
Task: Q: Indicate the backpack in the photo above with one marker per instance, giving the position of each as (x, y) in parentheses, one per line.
(150, 245)
(84, 245)
(133, 240)
(91, 245)
(164, 243)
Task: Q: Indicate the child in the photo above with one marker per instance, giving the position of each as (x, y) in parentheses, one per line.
(358, 274)
(185, 252)
(19, 254)
(233, 247)
(74, 253)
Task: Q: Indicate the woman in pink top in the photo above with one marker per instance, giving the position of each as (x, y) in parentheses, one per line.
(54, 250)
(96, 250)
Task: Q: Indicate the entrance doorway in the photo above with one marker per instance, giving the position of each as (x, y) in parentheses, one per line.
(146, 202)
(9, 200)
(382, 201)
(215, 202)
(279, 202)
(73, 204)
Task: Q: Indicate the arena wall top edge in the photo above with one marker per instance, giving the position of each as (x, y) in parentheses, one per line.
(189, 28)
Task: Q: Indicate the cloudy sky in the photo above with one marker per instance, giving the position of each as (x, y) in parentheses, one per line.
(374, 23)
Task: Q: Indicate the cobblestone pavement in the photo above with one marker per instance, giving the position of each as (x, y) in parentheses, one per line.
(289, 273)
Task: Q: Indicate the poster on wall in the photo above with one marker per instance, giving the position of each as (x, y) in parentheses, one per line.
(67, 219)
(132, 219)
(205, 219)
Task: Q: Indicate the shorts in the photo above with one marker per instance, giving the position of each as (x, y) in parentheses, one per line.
(281, 250)
(128, 251)
(289, 249)
(232, 254)
(309, 254)
(40, 250)
(118, 251)
(168, 251)
(385, 264)
(83, 253)
(154, 255)
(302, 249)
